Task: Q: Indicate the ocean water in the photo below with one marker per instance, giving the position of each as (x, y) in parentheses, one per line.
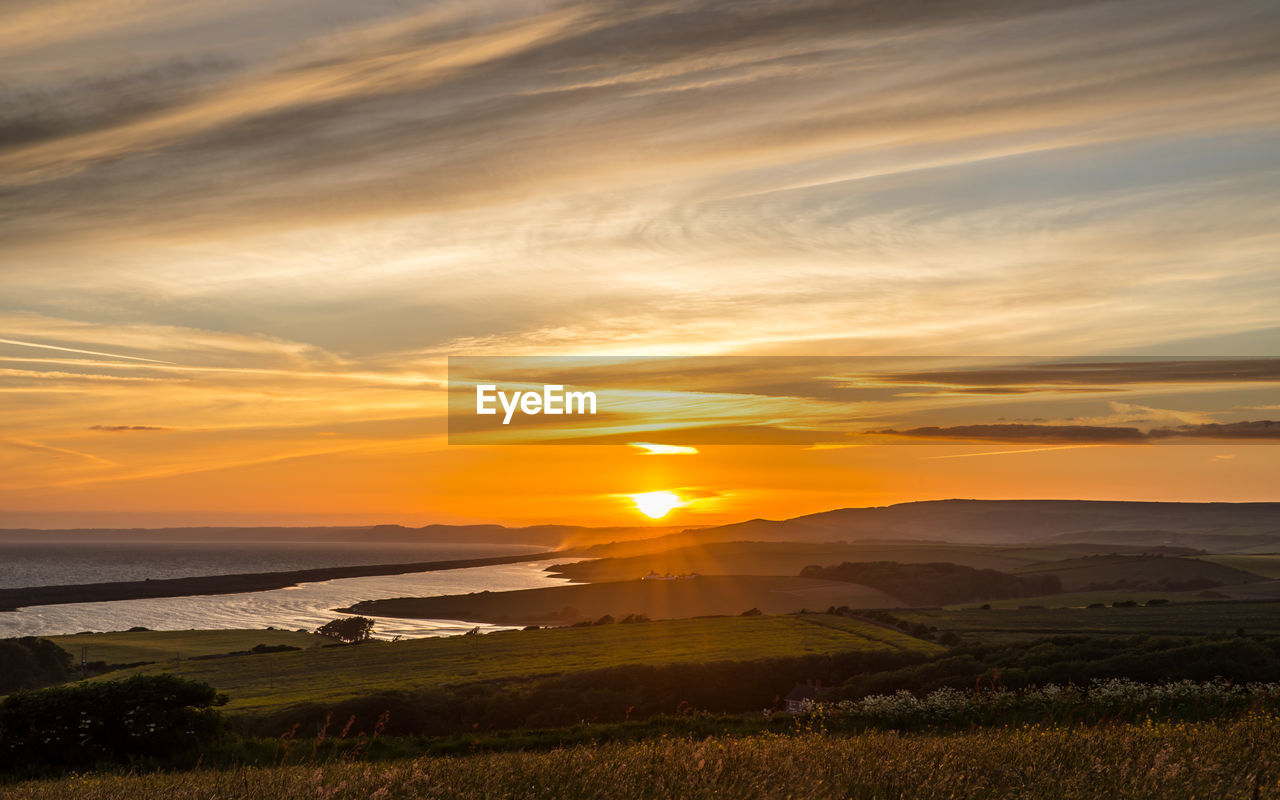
(48, 564)
(307, 605)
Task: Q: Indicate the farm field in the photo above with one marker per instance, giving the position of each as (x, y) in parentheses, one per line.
(1175, 619)
(1079, 574)
(1164, 761)
(627, 560)
(788, 558)
(131, 647)
(1079, 599)
(325, 675)
(1255, 591)
(706, 595)
(1265, 565)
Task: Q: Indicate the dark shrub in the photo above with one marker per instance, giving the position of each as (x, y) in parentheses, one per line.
(29, 663)
(157, 718)
(347, 629)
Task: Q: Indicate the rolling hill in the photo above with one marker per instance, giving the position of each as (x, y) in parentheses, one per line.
(788, 558)
(1221, 527)
(1149, 573)
(1218, 527)
(702, 596)
(327, 675)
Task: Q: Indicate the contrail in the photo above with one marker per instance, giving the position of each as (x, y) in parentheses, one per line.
(86, 352)
(1015, 452)
(27, 443)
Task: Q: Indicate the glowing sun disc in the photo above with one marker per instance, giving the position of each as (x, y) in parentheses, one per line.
(656, 504)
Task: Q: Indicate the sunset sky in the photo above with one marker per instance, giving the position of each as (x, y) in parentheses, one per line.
(240, 239)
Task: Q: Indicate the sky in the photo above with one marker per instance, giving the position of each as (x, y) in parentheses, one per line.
(239, 241)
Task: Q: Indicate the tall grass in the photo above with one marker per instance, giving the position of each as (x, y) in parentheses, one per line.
(1111, 700)
(1167, 760)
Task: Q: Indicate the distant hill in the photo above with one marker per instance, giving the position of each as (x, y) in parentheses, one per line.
(1218, 527)
(541, 535)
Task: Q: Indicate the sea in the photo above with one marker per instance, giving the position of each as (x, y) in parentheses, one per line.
(305, 606)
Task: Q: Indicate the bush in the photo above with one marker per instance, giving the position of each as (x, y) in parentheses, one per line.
(1109, 700)
(29, 663)
(1079, 660)
(350, 630)
(155, 718)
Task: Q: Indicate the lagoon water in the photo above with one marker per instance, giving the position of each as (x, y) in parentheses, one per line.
(28, 563)
(306, 606)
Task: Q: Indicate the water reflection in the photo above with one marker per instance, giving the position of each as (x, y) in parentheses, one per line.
(304, 606)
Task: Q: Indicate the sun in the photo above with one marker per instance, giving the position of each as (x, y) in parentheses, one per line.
(656, 505)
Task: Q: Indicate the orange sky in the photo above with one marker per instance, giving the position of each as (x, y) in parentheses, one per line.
(238, 242)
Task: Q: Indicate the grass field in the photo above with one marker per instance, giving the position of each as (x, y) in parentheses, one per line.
(1079, 574)
(135, 646)
(1168, 761)
(705, 595)
(1266, 565)
(1081, 599)
(786, 558)
(1180, 619)
(277, 680)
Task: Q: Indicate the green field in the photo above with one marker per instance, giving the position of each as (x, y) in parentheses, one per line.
(1079, 574)
(788, 558)
(1079, 599)
(1160, 761)
(277, 680)
(1266, 565)
(1175, 619)
(706, 595)
(131, 647)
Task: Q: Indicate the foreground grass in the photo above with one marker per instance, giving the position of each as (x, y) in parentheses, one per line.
(1171, 761)
(277, 680)
(131, 647)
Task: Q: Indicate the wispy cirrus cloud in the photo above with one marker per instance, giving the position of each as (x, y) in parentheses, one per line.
(1256, 430)
(303, 208)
